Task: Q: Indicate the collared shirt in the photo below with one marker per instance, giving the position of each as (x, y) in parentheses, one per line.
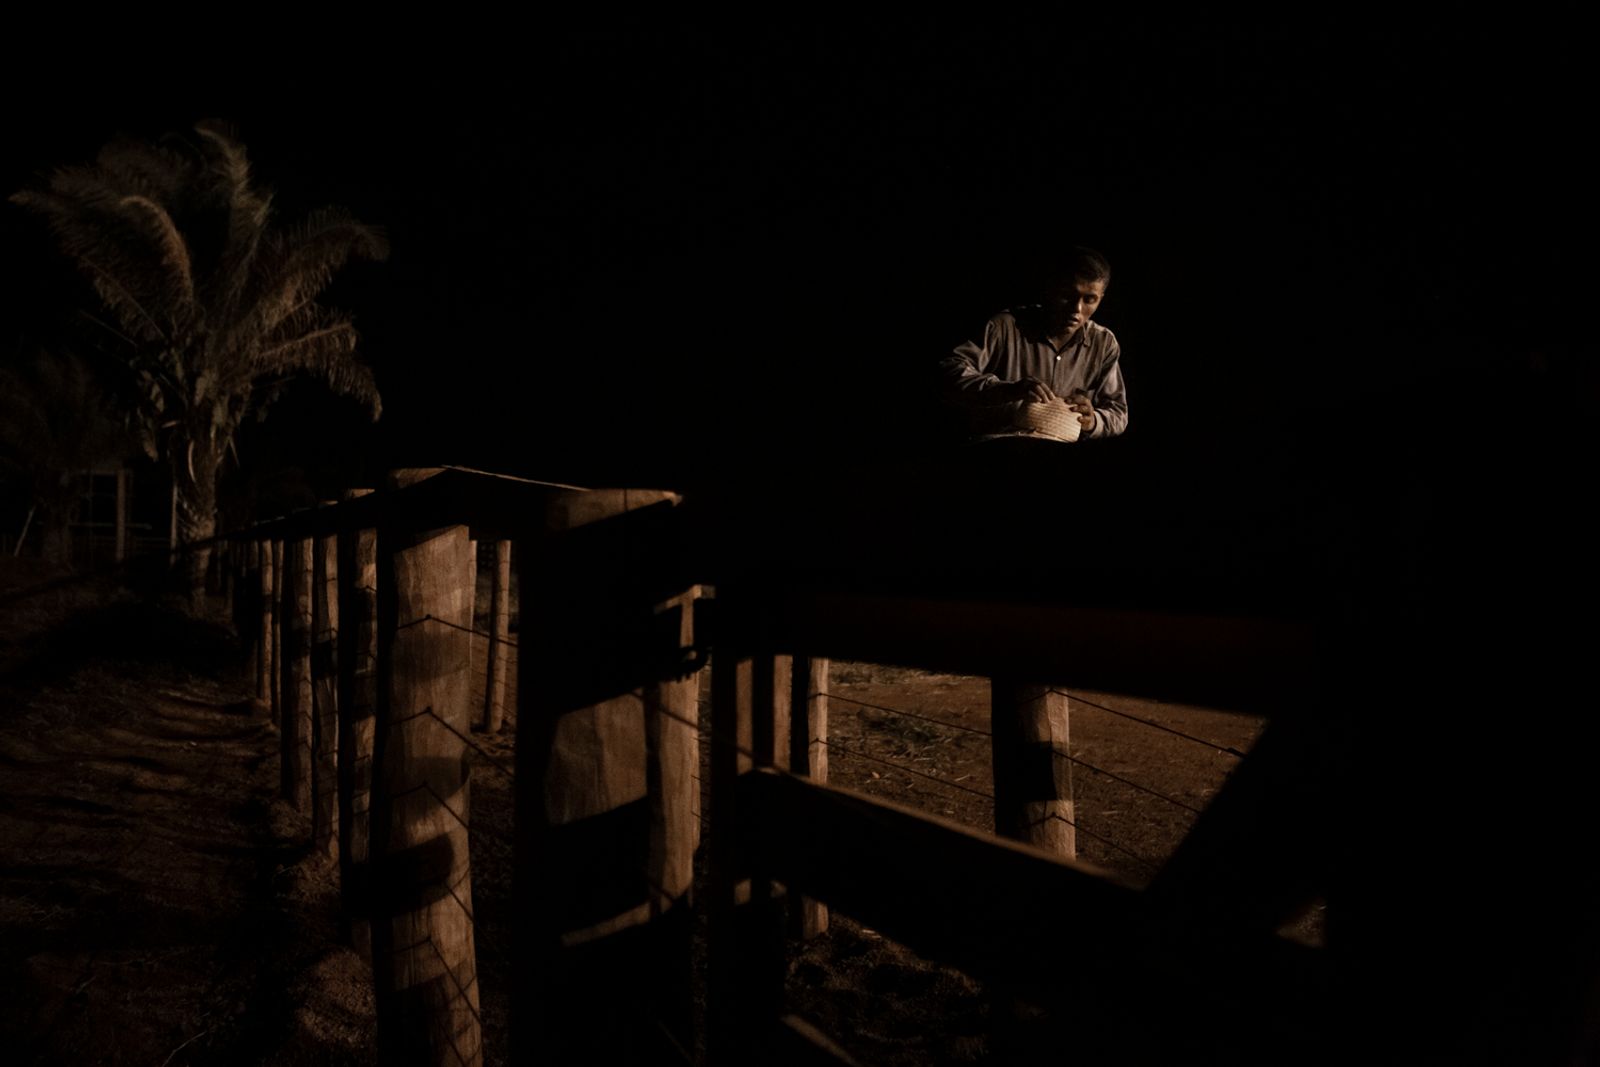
(1008, 352)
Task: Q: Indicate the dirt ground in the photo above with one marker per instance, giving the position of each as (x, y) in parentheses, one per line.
(157, 904)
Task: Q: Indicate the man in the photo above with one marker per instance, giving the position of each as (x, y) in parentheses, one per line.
(1044, 351)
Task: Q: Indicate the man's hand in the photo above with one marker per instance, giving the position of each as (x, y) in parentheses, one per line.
(1023, 391)
(1079, 401)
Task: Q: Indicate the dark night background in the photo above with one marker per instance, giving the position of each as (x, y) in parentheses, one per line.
(1353, 276)
(673, 256)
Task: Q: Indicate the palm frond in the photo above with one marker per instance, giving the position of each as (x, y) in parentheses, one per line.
(299, 263)
(327, 353)
(133, 166)
(113, 250)
(177, 274)
(215, 307)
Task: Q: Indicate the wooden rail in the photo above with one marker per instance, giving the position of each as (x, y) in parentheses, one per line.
(362, 649)
(607, 824)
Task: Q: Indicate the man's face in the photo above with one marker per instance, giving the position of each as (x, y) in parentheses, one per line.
(1072, 303)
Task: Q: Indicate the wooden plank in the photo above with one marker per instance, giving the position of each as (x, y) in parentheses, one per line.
(808, 756)
(276, 659)
(1032, 774)
(798, 1043)
(1024, 920)
(1258, 853)
(423, 945)
(604, 781)
(120, 552)
(750, 697)
(357, 681)
(325, 697)
(263, 655)
(494, 689)
(978, 901)
(1242, 664)
(494, 506)
(295, 724)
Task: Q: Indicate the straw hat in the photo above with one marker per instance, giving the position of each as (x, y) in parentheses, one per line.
(1055, 420)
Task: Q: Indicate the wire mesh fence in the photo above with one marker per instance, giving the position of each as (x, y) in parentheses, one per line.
(925, 739)
(919, 738)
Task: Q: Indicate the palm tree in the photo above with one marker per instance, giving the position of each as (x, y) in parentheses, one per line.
(214, 305)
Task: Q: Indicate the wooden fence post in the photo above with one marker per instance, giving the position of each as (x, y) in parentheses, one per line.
(223, 554)
(423, 956)
(494, 689)
(604, 781)
(276, 659)
(750, 710)
(121, 517)
(247, 610)
(295, 725)
(472, 607)
(325, 695)
(808, 755)
(1032, 777)
(265, 576)
(357, 568)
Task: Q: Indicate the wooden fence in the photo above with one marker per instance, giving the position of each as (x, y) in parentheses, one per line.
(372, 598)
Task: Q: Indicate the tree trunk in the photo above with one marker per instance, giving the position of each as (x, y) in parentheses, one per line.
(195, 481)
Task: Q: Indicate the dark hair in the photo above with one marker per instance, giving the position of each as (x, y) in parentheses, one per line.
(1082, 264)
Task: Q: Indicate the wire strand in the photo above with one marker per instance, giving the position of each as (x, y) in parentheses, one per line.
(496, 764)
(985, 733)
(1229, 749)
(908, 770)
(1125, 781)
(901, 711)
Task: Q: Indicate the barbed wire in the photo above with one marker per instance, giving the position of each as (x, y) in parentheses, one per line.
(903, 767)
(1060, 754)
(711, 735)
(491, 760)
(1229, 749)
(461, 996)
(1125, 781)
(831, 695)
(1150, 864)
(455, 626)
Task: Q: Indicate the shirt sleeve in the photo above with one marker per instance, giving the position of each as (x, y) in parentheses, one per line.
(964, 372)
(1110, 398)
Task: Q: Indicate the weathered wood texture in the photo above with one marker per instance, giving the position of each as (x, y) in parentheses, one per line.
(750, 712)
(275, 661)
(295, 686)
(472, 605)
(1032, 772)
(357, 674)
(808, 755)
(1247, 664)
(423, 954)
(263, 655)
(494, 689)
(800, 1044)
(1007, 914)
(325, 697)
(222, 563)
(120, 552)
(605, 779)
